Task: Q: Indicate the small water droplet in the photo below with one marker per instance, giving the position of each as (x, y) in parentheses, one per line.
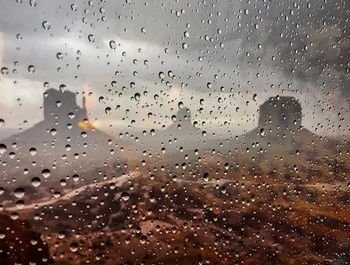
(59, 56)
(46, 25)
(91, 38)
(112, 44)
(33, 3)
(4, 70)
(108, 110)
(262, 132)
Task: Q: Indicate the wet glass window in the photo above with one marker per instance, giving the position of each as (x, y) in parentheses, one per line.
(174, 132)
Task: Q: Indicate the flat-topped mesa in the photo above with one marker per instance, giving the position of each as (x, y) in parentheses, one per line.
(280, 115)
(62, 107)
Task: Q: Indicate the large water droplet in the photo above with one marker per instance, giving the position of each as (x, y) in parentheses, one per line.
(3, 149)
(46, 173)
(125, 196)
(36, 181)
(74, 247)
(4, 70)
(19, 193)
(32, 151)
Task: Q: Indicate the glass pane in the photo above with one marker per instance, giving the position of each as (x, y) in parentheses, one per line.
(174, 132)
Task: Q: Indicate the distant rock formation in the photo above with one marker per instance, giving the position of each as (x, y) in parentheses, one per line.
(280, 122)
(61, 107)
(280, 115)
(279, 133)
(65, 141)
(172, 144)
(182, 124)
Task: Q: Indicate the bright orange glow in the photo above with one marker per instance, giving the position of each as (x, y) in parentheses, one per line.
(87, 126)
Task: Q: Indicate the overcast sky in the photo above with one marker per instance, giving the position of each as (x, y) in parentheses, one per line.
(222, 59)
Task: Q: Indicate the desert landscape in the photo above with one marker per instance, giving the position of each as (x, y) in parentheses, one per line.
(167, 132)
(276, 195)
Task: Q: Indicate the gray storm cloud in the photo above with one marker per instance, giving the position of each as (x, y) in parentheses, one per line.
(308, 39)
(220, 51)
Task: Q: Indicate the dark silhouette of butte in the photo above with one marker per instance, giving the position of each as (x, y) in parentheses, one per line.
(64, 139)
(280, 118)
(60, 107)
(280, 115)
(279, 123)
(280, 130)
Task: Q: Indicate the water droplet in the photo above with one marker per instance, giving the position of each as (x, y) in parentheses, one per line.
(59, 56)
(32, 151)
(262, 132)
(112, 44)
(125, 196)
(4, 70)
(74, 247)
(56, 194)
(62, 87)
(71, 115)
(137, 96)
(108, 110)
(73, 7)
(19, 204)
(61, 235)
(143, 240)
(14, 216)
(46, 173)
(19, 193)
(32, 3)
(46, 25)
(75, 177)
(53, 131)
(91, 38)
(3, 149)
(36, 182)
